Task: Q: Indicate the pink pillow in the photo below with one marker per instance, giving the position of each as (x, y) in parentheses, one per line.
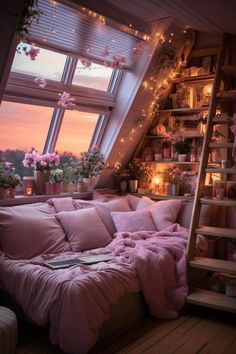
(84, 229)
(132, 221)
(28, 231)
(133, 201)
(144, 203)
(62, 204)
(103, 197)
(206, 215)
(165, 212)
(104, 209)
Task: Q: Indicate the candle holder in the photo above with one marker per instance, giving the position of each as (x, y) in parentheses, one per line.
(28, 185)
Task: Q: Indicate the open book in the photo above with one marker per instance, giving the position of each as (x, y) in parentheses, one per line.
(69, 262)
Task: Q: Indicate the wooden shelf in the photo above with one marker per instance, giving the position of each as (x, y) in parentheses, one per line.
(189, 79)
(229, 69)
(173, 162)
(184, 110)
(22, 199)
(216, 231)
(164, 196)
(157, 137)
(222, 202)
(221, 170)
(167, 137)
(227, 95)
(222, 121)
(221, 145)
(212, 299)
(215, 265)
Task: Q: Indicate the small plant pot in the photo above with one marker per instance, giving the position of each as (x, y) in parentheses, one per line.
(182, 157)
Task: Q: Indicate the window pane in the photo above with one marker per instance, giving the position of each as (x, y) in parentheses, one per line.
(48, 64)
(96, 76)
(22, 127)
(76, 132)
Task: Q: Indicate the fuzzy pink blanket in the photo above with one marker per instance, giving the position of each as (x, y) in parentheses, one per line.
(159, 259)
(75, 302)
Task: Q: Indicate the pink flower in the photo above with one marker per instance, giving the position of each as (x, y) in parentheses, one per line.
(66, 100)
(117, 62)
(41, 82)
(86, 62)
(41, 162)
(32, 53)
(105, 52)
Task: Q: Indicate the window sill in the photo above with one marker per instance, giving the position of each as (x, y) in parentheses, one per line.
(22, 199)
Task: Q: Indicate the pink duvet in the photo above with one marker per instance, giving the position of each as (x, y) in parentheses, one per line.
(75, 302)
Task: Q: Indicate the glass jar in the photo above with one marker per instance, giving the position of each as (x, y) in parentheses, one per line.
(166, 150)
(219, 189)
(28, 185)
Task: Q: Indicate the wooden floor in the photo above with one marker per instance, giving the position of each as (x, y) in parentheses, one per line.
(197, 330)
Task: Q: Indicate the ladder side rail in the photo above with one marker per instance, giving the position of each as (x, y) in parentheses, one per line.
(205, 151)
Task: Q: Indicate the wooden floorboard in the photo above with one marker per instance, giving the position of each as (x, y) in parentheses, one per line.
(198, 330)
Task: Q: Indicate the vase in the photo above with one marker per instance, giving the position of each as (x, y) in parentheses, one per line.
(81, 187)
(133, 185)
(174, 189)
(123, 185)
(40, 179)
(182, 157)
(57, 188)
(11, 192)
(89, 182)
(3, 193)
(49, 188)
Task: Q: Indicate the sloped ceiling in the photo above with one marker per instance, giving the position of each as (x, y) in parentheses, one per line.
(213, 16)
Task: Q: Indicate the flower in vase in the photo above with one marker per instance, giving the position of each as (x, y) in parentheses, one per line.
(41, 162)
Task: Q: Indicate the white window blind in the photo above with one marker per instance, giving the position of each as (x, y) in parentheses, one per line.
(66, 29)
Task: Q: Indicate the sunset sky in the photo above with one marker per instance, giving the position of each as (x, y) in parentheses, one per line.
(23, 126)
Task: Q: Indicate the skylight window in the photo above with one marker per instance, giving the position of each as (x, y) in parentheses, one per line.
(96, 76)
(47, 64)
(76, 132)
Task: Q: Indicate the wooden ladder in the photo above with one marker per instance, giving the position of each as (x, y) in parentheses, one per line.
(197, 295)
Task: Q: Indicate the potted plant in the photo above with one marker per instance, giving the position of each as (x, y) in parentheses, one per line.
(42, 165)
(8, 180)
(68, 178)
(182, 147)
(172, 180)
(139, 173)
(56, 177)
(89, 165)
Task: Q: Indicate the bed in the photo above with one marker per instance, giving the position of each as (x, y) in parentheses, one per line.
(76, 303)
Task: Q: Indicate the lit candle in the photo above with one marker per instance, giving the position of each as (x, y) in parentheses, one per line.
(29, 191)
(28, 185)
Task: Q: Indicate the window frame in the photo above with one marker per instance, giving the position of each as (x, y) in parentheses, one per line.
(21, 88)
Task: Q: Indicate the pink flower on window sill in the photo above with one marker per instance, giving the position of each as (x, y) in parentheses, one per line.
(40, 82)
(65, 100)
(32, 53)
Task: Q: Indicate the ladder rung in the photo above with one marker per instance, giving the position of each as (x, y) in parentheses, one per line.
(216, 231)
(222, 121)
(220, 170)
(216, 265)
(229, 69)
(222, 202)
(221, 145)
(227, 95)
(212, 299)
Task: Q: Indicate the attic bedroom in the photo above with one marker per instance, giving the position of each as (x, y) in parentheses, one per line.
(117, 176)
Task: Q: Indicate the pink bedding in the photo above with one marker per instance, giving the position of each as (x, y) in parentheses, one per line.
(75, 302)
